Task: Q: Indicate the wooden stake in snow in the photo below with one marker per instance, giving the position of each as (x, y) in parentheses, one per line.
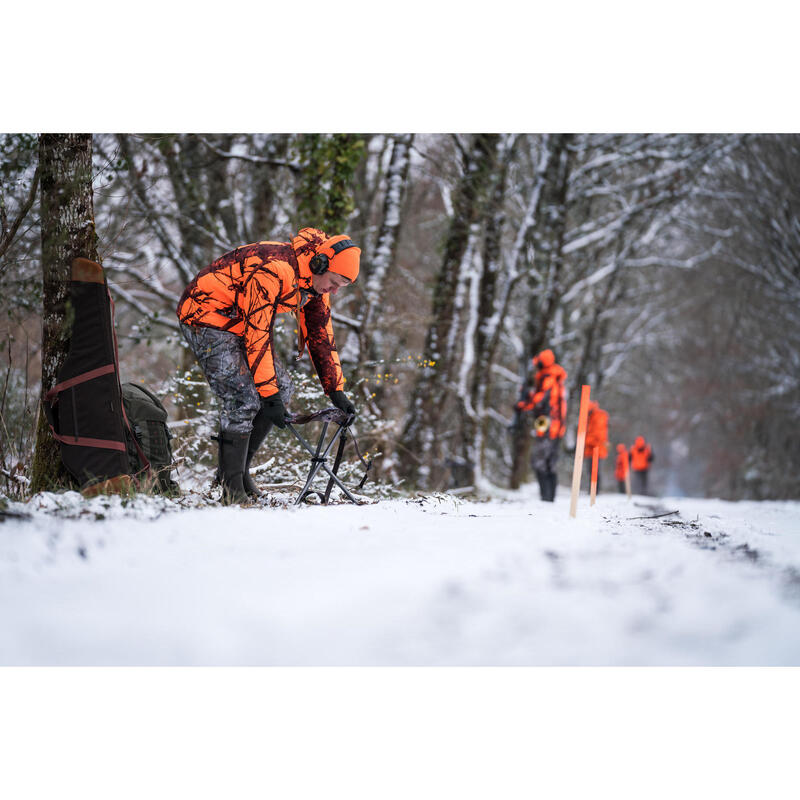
(579, 447)
(628, 481)
(593, 490)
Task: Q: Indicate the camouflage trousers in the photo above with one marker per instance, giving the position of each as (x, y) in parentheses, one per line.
(222, 358)
(544, 454)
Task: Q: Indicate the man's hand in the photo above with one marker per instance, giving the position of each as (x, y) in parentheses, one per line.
(341, 401)
(274, 410)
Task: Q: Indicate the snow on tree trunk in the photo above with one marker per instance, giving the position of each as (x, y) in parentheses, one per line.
(548, 241)
(476, 362)
(68, 232)
(369, 341)
(422, 435)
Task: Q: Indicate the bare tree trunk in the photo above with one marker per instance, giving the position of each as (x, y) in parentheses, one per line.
(65, 161)
(265, 190)
(369, 337)
(590, 365)
(422, 435)
(188, 165)
(549, 260)
(369, 196)
(475, 382)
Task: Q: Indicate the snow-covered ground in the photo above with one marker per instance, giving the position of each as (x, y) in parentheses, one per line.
(425, 581)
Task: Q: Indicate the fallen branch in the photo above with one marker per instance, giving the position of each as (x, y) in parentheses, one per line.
(656, 516)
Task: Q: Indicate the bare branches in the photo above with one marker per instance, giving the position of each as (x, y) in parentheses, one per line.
(294, 166)
(10, 231)
(139, 303)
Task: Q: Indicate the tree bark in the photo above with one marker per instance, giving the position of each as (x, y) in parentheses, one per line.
(422, 434)
(67, 212)
(476, 379)
(369, 338)
(548, 243)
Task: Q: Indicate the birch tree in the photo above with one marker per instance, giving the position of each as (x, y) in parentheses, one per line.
(487, 307)
(548, 242)
(370, 333)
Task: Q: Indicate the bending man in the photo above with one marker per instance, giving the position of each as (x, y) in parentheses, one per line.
(227, 313)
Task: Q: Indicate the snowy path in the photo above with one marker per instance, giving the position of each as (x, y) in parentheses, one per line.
(440, 582)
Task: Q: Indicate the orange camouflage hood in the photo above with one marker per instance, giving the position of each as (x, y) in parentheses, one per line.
(544, 359)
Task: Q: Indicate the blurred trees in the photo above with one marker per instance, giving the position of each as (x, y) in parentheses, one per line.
(661, 268)
(20, 303)
(738, 342)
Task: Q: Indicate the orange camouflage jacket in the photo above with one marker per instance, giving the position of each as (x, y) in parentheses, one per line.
(243, 290)
(548, 398)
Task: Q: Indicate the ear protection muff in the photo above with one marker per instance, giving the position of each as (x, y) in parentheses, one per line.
(319, 264)
(321, 261)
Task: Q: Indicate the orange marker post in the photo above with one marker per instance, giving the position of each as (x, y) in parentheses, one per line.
(583, 415)
(593, 490)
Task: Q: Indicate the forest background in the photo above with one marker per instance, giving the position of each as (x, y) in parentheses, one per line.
(662, 269)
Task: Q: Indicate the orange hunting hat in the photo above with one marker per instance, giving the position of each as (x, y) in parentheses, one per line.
(343, 256)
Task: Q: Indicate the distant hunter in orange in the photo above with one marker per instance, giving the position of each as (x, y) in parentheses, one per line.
(547, 400)
(596, 436)
(621, 467)
(227, 314)
(641, 458)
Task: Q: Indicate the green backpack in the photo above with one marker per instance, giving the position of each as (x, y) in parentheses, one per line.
(148, 420)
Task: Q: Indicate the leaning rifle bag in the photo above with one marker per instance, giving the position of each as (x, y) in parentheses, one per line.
(85, 408)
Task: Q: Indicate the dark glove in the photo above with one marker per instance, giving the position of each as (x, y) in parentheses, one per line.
(341, 401)
(274, 410)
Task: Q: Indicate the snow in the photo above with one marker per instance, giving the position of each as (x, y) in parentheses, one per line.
(431, 580)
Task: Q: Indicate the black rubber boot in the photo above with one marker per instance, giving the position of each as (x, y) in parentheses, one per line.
(544, 485)
(553, 483)
(261, 427)
(232, 455)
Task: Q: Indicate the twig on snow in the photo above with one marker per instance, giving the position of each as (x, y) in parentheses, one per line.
(656, 516)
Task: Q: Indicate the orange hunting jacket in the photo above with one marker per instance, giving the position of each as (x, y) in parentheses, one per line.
(243, 290)
(597, 432)
(641, 456)
(621, 467)
(548, 398)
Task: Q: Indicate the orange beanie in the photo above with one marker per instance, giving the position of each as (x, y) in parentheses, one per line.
(344, 257)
